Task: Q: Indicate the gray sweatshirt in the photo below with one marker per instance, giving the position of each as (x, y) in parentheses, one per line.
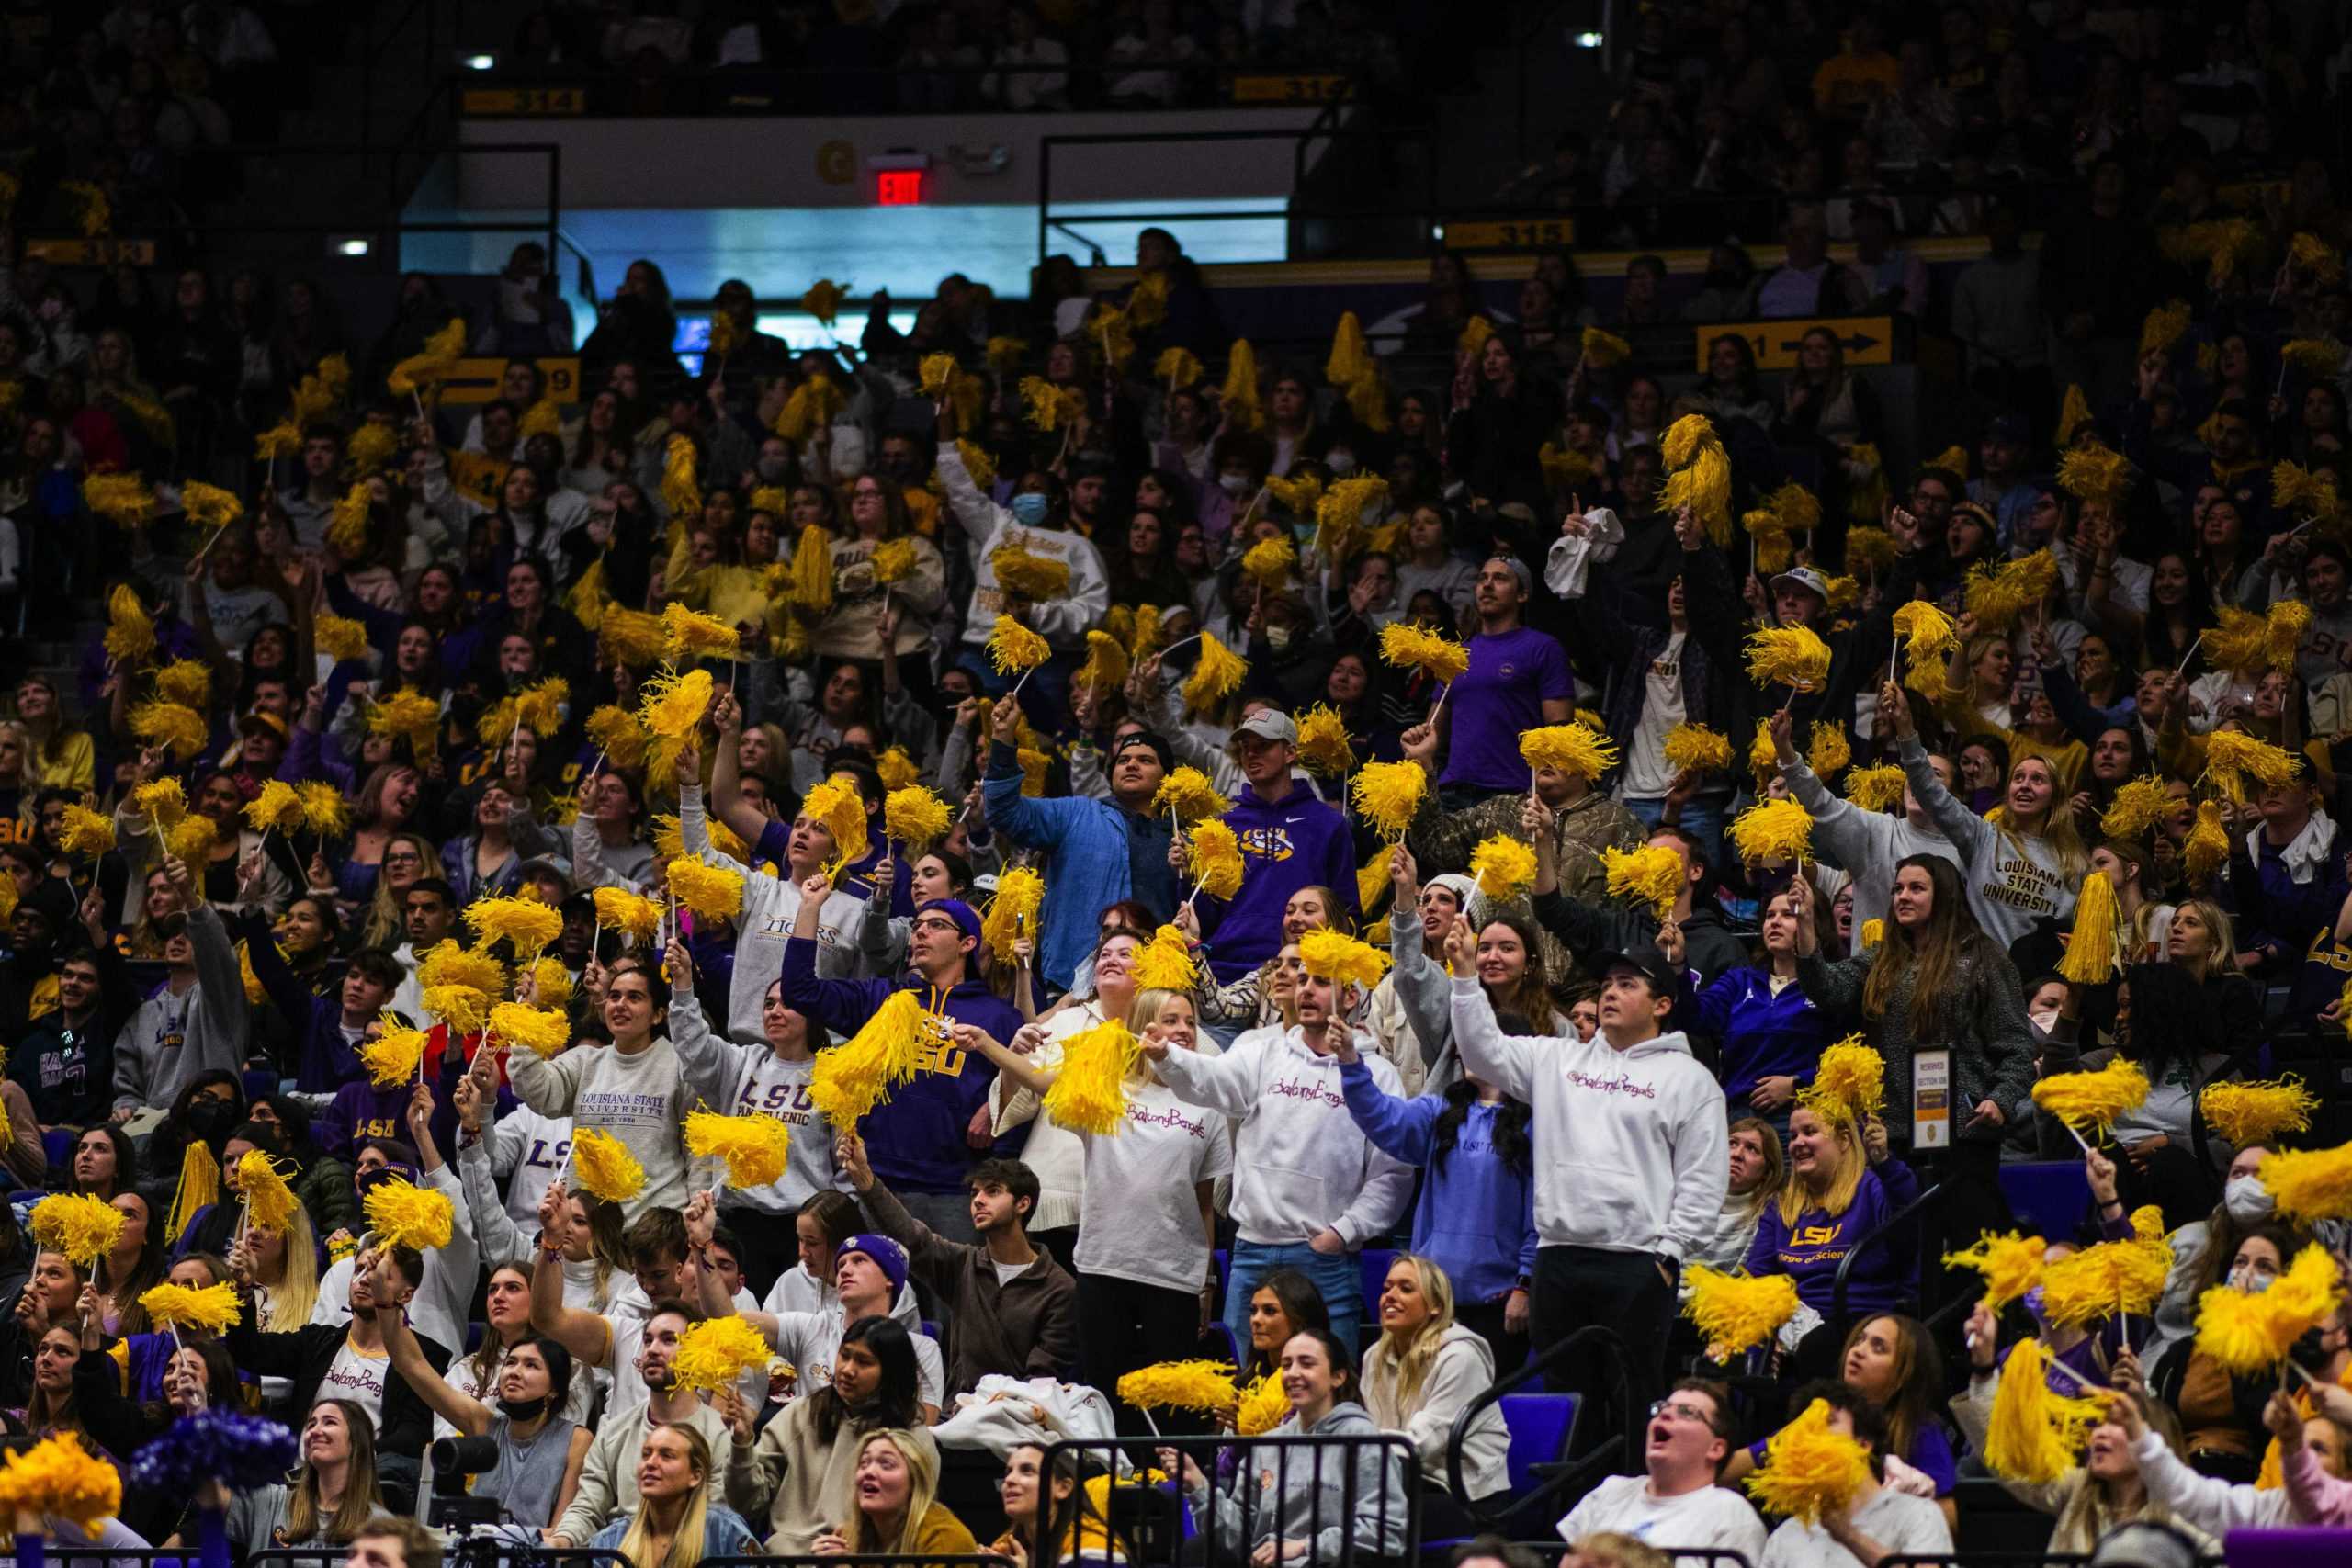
(1866, 845)
(641, 1100)
(1352, 1492)
(2012, 880)
(744, 1080)
(172, 1038)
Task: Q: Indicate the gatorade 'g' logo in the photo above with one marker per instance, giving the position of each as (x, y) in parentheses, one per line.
(1267, 843)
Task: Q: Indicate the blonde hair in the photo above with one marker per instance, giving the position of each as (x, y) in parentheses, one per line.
(1612, 1549)
(2057, 833)
(685, 1546)
(385, 915)
(1399, 1368)
(360, 1502)
(922, 1490)
(1776, 1166)
(2223, 959)
(297, 1292)
(1796, 1197)
(1145, 1012)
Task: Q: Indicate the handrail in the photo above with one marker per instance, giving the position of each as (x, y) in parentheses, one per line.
(1846, 1264)
(1602, 1452)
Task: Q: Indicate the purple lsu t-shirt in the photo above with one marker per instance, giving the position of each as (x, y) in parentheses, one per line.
(1510, 678)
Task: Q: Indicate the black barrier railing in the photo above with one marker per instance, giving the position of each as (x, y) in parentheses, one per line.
(1838, 1287)
(1556, 1481)
(74, 1554)
(869, 1560)
(482, 1547)
(2006, 1560)
(1346, 1499)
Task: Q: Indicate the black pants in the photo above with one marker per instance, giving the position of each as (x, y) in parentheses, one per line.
(1485, 1319)
(1128, 1325)
(1629, 1294)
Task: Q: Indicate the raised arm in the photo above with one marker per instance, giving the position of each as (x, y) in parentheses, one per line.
(585, 1333)
(1486, 1052)
(726, 777)
(468, 1414)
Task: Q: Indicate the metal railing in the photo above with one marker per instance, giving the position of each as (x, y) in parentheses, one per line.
(1679, 1556)
(1837, 1315)
(1364, 1486)
(1596, 1461)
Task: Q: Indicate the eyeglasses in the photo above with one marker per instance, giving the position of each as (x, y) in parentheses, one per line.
(1679, 1412)
(947, 927)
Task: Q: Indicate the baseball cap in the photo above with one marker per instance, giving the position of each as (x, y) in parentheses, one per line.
(1645, 960)
(262, 719)
(1267, 724)
(1805, 577)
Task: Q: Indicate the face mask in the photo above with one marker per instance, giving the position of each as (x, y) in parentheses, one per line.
(523, 1409)
(1278, 637)
(210, 1117)
(1029, 508)
(1339, 460)
(2045, 1021)
(773, 469)
(1233, 484)
(2247, 1200)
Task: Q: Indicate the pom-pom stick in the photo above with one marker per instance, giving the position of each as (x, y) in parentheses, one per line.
(2093, 1100)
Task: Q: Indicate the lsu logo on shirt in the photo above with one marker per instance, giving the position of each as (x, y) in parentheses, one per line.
(787, 1102)
(1267, 843)
(1813, 1235)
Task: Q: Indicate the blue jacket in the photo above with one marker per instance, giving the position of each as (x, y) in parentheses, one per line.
(1810, 1253)
(324, 1060)
(1090, 859)
(915, 1139)
(1763, 1036)
(1303, 842)
(1475, 1216)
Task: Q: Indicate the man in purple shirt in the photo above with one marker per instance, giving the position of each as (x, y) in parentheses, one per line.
(1518, 679)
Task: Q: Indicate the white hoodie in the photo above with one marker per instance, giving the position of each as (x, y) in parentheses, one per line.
(1299, 1163)
(1062, 621)
(770, 905)
(1632, 1147)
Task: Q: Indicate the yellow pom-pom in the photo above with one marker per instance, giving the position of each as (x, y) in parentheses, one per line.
(2311, 1184)
(672, 705)
(447, 964)
(1205, 1386)
(1089, 1093)
(407, 714)
(1573, 749)
(1269, 562)
(1263, 1407)
(1875, 789)
(123, 500)
(84, 1228)
(2250, 1333)
(1874, 932)
(2249, 1113)
(2139, 805)
(1036, 578)
(462, 1008)
(1735, 1313)
(213, 1308)
(1410, 647)
(392, 1058)
(714, 892)
(2091, 951)
(1504, 866)
(190, 841)
(269, 1200)
(1705, 487)
(714, 1354)
(2091, 472)
(1830, 753)
(916, 818)
(1849, 1083)
(59, 1476)
(1772, 832)
(1388, 795)
(1013, 649)
(1213, 858)
(1651, 874)
(1323, 743)
(1603, 350)
(2033, 1433)
(1188, 795)
(755, 1147)
(1165, 964)
(83, 831)
(2095, 1283)
(2088, 1102)
(404, 1215)
(690, 634)
(617, 909)
(1342, 960)
(1217, 674)
(2231, 756)
(1012, 912)
(1106, 668)
(850, 1079)
(1695, 747)
(551, 983)
(543, 1031)
(2011, 1265)
(187, 681)
(1178, 367)
(130, 632)
(175, 727)
(1810, 1470)
(279, 805)
(2208, 848)
(603, 1166)
(338, 637)
(1787, 656)
(524, 923)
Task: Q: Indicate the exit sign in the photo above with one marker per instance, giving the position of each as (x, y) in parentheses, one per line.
(897, 187)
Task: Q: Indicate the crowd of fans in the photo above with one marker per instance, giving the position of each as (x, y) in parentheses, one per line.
(1042, 560)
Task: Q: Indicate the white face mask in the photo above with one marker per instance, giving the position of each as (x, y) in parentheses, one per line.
(2045, 1021)
(2247, 1200)
(1340, 461)
(1233, 484)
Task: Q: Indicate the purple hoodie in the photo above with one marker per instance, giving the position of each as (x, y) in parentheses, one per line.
(1302, 842)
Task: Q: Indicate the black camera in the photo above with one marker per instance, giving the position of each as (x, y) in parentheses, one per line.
(453, 1508)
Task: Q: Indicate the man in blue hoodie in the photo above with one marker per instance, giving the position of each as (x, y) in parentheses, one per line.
(917, 1140)
(1289, 840)
(1097, 852)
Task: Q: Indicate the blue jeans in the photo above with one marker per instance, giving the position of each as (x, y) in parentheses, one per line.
(1338, 1275)
(1703, 819)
